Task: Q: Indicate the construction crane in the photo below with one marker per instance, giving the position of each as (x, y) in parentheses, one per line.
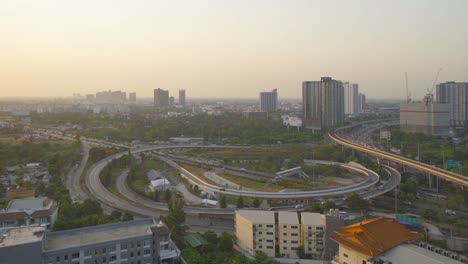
(429, 98)
(408, 94)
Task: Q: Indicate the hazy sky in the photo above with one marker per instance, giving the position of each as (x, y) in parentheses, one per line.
(228, 48)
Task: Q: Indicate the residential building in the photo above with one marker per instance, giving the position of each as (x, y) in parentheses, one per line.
(132, 97)
(385, 134)
(313, 234)
(362, 103)
(365, 241)
(269, 101)
(29, 211)
(171, 100)
(90, 97)
(111, 97)
(289, 234)
(351, 98)
(161, 98)
(383, 240)
(323, 103)
(425, 117)
(182, 97)
(455, 94)
(255, 231)
(139, 241)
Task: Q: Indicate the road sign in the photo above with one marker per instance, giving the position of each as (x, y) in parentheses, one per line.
(452, 164)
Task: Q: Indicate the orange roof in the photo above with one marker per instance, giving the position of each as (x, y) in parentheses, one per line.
(374, 236)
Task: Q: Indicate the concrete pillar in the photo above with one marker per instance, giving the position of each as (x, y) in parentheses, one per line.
(429, 177)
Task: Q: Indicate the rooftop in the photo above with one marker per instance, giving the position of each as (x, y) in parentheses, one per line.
(258, 216)
(313, 218)
(28, 203)
(374, 236)
(98, 234)
(288, 218)
(21, 235)
(409, 253)
(195, 240)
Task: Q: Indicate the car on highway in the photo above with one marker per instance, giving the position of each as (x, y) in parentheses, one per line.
(450, 212)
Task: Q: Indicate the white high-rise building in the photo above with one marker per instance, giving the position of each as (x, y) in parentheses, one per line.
(455, 94)
(351, 98)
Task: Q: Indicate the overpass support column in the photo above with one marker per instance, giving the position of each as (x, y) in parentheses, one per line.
(429, 178)
(352, 152)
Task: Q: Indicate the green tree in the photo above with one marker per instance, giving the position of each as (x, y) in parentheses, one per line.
(240, 202)
(300, 252)
(225, 242)
(355, 202)
(314, 206)
(256, 202)
(262, 258)
(40, 189)
(167, 195)
(222, 201)
(156, 196)
(175, 219)
(211, 237)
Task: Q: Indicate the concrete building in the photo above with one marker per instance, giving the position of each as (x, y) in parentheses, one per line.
(29, 211)
(182, 97)
(323, 103)
(455, 94)
(161, 98)
(382, 240)
(289, 234)
(255, 231)
(140, 241)
(351, 98)
(362, 103)
(171, 100)
(115, 97)
(90, 97)
(132, 97)
(427, 118)
(313, 234)
(269, 101)
(21, 245)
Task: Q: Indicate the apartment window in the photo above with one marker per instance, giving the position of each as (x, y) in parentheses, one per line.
(285, 248)
(112, 248)
(123, 246)
(294, 227)
(147, 251)
(269, 233)
(260, 240)
(112, 258)
(285, 241)
(310, 228)
(294, 242)
(65, 257)
(260, 246)
(269, 240)
(364, 262)
(284, 234)
(259, 225)
(269, 225)
(294, 234)
(57, 258)
(345, 255)
(75, 255)
(320, 228)
(269, 247)
(310, 249)
(103, 250)
(285, 226)
(260, 232)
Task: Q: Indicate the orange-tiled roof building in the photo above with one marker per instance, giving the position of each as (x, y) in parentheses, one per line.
(362, 242)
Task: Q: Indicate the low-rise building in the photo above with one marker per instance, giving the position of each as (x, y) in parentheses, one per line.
(139, 241)
(289, 236)
(255, 231)
(29, 211)
(313, 234)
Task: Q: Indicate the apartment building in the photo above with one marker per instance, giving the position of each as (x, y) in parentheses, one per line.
(141, 241)
(255, 231)
(313, 234)
(30, 211)
(289, 234)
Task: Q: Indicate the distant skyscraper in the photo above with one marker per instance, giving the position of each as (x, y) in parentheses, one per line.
(132, 97)
(455, 94)
(161, 98)
(182, 97)
(362, 103)
(269, 101)
(323, 103)
(351, 97)
(171, 100)
(111, 97)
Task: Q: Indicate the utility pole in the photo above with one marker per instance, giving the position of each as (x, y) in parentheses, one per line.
(396, 202)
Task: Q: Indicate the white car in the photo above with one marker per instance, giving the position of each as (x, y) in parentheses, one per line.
(450, 212)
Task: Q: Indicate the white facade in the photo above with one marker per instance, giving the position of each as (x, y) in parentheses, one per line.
(351, 98)
(429, 119)
(289, 234)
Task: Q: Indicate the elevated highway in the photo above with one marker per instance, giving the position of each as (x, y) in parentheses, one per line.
(441, 173)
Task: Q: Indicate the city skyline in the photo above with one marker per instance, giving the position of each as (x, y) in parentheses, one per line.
(232, 50)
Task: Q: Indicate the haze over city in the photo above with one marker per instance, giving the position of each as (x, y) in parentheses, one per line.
(228, 49)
